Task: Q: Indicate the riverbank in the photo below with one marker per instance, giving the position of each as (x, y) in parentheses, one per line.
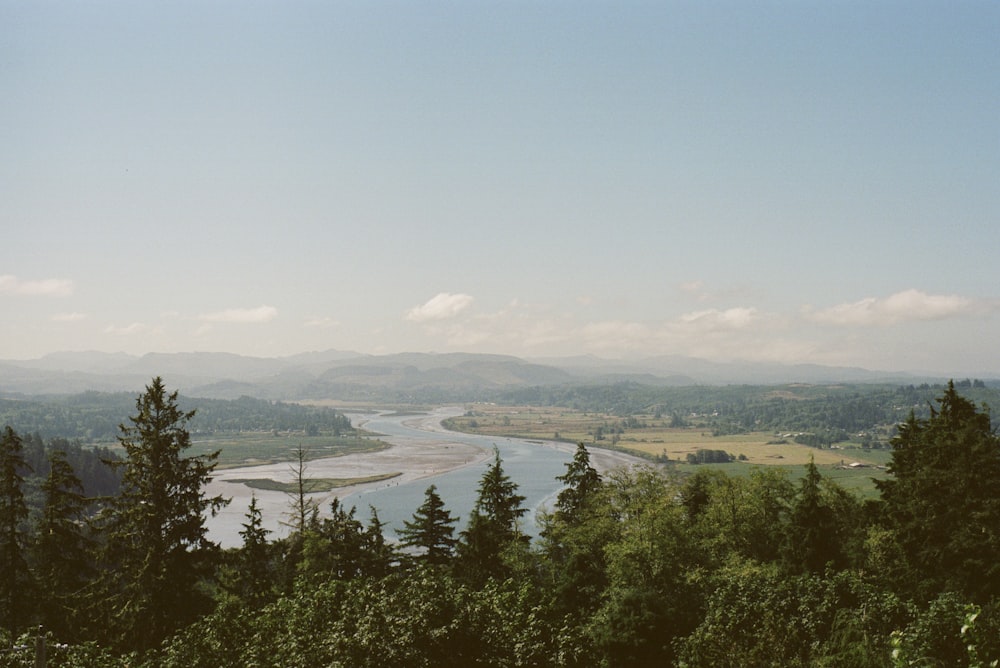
(421, 449)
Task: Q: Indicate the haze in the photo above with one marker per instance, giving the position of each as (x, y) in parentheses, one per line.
(777, 181)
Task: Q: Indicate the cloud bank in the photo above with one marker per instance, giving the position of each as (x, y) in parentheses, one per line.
(49, 287)
(905, 306)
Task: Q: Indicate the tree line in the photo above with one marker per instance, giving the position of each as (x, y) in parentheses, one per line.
(94, 417)
(640, 567)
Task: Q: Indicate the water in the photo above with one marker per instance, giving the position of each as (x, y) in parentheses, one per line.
(419, 442)
(533, 466)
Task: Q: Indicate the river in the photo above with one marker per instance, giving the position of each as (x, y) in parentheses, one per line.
(423, 453)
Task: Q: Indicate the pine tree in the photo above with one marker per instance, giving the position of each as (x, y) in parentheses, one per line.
(14, 579)
(253, 580)
(943, 502)
(812, 536)
(62, 549)
(493, 525)
(582, 481)
(431, 530)
(156, 547)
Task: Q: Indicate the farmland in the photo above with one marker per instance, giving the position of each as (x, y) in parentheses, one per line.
(847, 463)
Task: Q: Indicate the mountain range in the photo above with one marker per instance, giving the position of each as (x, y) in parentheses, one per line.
(347, 375)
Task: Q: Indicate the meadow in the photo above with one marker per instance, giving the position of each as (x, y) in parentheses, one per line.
(846, 463)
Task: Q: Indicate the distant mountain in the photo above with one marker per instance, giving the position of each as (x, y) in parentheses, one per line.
(399, 377)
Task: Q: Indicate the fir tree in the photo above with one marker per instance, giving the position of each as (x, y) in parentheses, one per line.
(493, 525)
(156, 547)
(431, 530)
(943, 502)
(14, 579)
(62, 549)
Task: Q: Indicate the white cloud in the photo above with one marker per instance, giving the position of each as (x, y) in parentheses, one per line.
(69, 317)
(128, 330)
(49, 287)
(243, 315)
(440, 307)
(733, 318)
(322, 323)
(908, 305)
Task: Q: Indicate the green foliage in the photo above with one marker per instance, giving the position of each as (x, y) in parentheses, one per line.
(155, 549)
(493, 525)
(639, 567)
(943, 503)
(758, 616)
(61, 550)
(948, 632)
(14, 577)
(705, 456)
(431, 530)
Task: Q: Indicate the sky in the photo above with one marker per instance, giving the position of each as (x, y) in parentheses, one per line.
(795, 182)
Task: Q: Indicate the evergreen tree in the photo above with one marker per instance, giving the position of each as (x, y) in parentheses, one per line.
(943, 501)
(334, 547)
(14, 579)
(493, 524)
(156, 547)
(582, 482)
(431, 530)
(378, 554)
(812, 533)
(574, 538)
(250, 577)
(62, 549)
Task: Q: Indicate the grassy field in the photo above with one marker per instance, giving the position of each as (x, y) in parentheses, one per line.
(652, 437)
(250, 448)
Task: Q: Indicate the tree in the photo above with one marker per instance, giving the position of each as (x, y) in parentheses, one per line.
(303, 509)
(250, 575)
(943, 502)
(431, 530)
(13, 513)
(812, 536)
(62, 548)
(574, 538)
(582, 482)
(156, 546)
(334, 547)
(493, 524)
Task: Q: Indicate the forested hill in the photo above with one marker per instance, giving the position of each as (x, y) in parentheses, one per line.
(94, 417)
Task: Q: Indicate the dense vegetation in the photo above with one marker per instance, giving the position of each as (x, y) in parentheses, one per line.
(641, 568)
(94, 417)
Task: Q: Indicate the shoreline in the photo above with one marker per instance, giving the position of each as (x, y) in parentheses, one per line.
(411, 458)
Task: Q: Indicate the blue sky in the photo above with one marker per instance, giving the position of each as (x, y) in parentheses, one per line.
(775, 181)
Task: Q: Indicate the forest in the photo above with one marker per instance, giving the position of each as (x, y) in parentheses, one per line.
(638, 567)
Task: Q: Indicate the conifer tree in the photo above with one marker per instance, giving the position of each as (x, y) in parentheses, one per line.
(253, 580)
(582, 481)
(493, 524)
(812, 540)
(62, 549)
(943, 501)
(431, 530)
(156, 548)
(14, 579)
